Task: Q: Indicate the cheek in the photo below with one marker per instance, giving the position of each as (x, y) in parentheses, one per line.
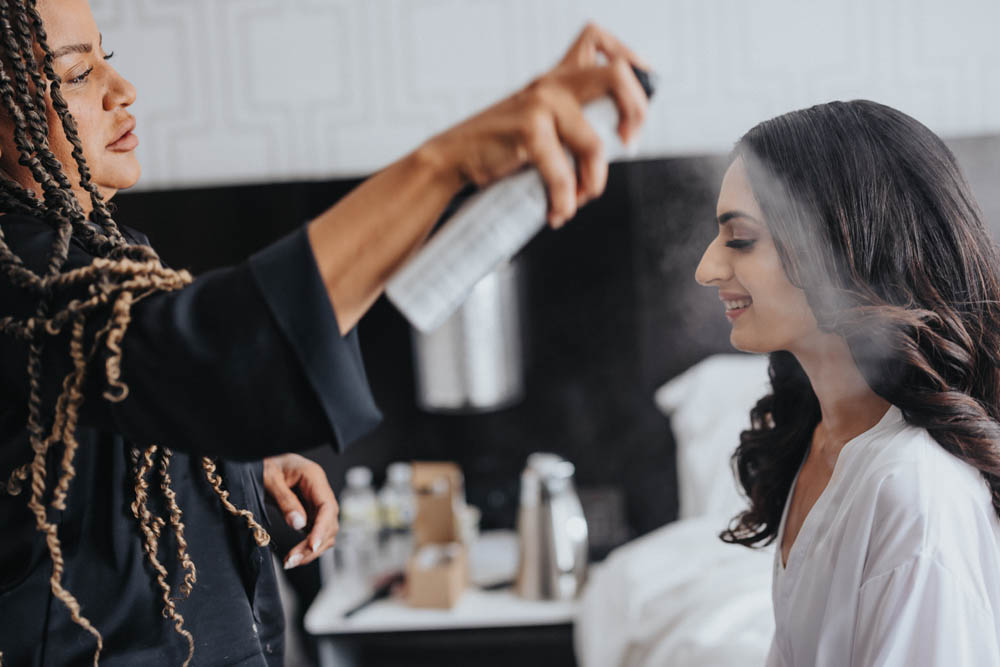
(787, 300)
(86, 115)
(59, 144)
(8, 150)
(780, 315)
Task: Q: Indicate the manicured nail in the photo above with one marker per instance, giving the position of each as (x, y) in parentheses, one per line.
(314, 544)
(297, 521)
(292, 561)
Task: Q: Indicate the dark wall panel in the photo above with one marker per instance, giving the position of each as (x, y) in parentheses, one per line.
(611, 310)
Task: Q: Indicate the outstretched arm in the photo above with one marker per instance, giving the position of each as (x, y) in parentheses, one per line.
(364, 238)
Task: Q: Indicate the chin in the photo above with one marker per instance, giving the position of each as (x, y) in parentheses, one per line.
(745, 343)
(123, 180)
(131, 177)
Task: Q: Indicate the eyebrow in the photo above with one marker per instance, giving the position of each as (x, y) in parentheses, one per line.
(729, 215)
(75, 48)
(71, 48)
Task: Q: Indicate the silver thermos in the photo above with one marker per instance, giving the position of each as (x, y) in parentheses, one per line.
(552, 530)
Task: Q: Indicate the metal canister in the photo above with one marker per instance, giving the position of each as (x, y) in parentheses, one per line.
(552, 529)
(472, 362)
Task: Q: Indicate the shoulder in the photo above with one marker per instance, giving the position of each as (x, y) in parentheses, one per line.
(923, 500)
(910, 469)
(31, 239)
(28, 237)
(134, 236)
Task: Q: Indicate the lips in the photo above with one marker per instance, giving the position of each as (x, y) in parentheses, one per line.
(125, 141)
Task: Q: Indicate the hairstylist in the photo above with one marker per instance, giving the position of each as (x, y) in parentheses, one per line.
(143, 413)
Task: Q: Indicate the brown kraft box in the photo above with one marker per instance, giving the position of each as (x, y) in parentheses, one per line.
(437, 571)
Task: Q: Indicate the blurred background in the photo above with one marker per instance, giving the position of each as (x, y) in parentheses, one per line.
(249, 91)
(255, 115)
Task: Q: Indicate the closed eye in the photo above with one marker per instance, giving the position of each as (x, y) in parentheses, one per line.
(81, 78)
(740, 244)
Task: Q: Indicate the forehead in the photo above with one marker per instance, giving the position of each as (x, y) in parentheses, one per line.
(736, 194)
(68, 22)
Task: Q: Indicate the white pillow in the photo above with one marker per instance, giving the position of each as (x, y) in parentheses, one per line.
(709, 405)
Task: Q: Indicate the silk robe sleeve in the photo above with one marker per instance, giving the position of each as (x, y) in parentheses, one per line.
(920, 614)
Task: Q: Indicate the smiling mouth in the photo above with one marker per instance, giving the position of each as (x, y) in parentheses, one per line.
(736, 307)
(738, 304)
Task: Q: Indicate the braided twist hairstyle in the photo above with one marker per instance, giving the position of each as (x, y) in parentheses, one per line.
(120, 275)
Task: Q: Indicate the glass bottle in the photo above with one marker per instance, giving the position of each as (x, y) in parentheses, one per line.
(357, 540)
(397, 509)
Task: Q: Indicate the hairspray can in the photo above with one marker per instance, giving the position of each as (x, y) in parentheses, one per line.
(487, 230)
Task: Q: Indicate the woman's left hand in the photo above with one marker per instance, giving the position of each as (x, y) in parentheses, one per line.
(286, 472)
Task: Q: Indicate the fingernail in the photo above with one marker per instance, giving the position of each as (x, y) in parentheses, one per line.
(314, 544)
(297, 521)
(292, 561)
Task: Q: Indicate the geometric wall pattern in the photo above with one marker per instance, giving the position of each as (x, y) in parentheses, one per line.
(238, 91)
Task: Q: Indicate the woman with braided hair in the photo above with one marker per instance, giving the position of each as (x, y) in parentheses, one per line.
(144, 413)
(851, 250)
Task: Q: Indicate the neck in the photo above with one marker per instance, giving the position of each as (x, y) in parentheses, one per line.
(81, 195)
(848, 405)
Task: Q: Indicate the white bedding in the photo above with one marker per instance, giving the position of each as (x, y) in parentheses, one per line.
(679, 596)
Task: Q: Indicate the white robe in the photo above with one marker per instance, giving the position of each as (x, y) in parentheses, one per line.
(897, 563)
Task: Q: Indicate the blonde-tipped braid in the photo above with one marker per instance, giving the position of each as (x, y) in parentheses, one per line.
(191, 575)
(259, 534)
(119, 276)
(151, 527)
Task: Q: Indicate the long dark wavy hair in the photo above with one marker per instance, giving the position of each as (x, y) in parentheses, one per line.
(872, 217)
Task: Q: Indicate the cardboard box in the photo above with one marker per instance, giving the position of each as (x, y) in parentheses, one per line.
(437, 572)
(436, 575)
(440, 492)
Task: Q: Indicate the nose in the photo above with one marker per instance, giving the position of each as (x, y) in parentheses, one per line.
(713, 267)
(120, 93)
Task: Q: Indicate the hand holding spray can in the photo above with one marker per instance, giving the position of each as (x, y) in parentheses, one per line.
(487, 230)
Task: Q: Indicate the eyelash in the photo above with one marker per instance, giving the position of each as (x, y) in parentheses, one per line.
(740, 244)
(83, 77)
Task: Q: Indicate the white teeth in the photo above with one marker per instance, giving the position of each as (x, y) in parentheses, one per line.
(734, 305)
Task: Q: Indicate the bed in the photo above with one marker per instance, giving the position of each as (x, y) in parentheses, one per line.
(680, 596)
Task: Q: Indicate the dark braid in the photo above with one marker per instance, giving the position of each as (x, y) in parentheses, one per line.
(92, 303)
(56, 198)
(69, 125)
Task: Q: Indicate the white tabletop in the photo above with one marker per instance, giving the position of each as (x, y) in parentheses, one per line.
(476, 608)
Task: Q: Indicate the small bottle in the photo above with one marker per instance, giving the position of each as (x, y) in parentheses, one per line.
(357, 539)
(488, 229)
(397, 509)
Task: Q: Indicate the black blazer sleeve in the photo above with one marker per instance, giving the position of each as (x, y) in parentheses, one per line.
(243, 363)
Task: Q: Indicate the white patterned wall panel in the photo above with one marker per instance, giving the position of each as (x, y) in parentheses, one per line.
(260, 90)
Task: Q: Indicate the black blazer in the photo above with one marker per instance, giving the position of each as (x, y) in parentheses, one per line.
(243, 363)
